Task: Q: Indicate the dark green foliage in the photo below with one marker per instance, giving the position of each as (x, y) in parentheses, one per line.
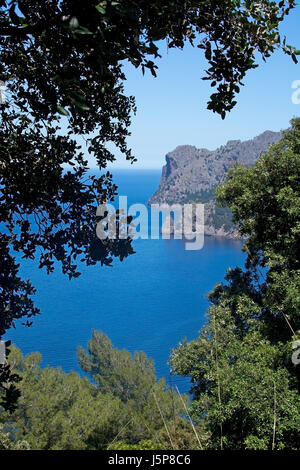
(142, 445)
(124, 403)
(222, 217)
(246, 387)
(58, 410)
(9, 393)
(8, 444)
(79, 75)
(182, 436)
(61, 63)
(265, 201)
(202, 196)
(131, 379)
(241, 383)
(218, 216)
(117, 372)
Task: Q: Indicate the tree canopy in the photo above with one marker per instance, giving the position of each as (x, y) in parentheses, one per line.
(245, 384)
(62, 66)
(124, 406)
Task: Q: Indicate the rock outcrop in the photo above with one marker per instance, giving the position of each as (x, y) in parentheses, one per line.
(191, 175)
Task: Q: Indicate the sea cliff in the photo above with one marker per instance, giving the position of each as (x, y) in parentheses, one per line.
(191, 175)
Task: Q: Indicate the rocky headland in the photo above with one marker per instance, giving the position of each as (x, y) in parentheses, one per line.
(191, 175)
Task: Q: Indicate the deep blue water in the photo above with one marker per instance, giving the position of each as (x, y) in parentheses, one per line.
(148, 302)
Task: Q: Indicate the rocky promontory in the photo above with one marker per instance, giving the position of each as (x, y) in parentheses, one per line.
(192, 174)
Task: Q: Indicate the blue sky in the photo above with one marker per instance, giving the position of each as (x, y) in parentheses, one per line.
(172, 107)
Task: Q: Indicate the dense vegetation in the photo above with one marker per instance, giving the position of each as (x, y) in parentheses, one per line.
(62, 66)
(222, 217)
(123, 406)
(218, 216)
(60, 90)
(245, 385)
(205, 195)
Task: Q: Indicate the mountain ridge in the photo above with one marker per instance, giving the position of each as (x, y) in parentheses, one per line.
(191, 174)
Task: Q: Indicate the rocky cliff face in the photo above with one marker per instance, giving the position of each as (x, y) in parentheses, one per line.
(191, 174)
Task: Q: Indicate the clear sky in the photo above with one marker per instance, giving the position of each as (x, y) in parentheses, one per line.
(172, 107)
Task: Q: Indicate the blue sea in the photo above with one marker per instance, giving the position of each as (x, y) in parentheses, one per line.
(149, 302)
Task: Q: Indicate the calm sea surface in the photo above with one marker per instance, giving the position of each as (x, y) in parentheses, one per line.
(148, 302)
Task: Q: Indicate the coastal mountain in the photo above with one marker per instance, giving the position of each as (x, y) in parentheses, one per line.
(192, 174)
